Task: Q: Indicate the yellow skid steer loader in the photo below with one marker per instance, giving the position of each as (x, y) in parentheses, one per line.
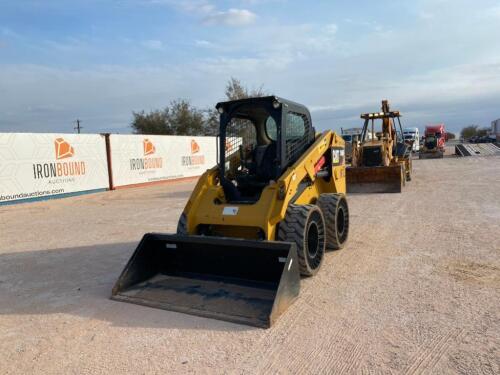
(263, 216)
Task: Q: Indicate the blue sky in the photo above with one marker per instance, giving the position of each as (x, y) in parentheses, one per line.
(435, 60)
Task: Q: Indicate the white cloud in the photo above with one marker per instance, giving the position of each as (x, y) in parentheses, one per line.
(231, 17)
(188, 6)
(210, 14)
(495, 11)
(426, 15)
(428, 66)
(153, 44)
(5, 31)
(204, 43)
(195, 6)
(331, 28)
(491, 13)
(68, 44)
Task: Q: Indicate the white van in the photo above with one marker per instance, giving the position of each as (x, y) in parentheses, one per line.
(412, 134)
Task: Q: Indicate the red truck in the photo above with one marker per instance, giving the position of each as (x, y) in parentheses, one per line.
(434, 141)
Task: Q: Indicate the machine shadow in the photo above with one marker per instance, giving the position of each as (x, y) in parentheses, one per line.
(78, 281)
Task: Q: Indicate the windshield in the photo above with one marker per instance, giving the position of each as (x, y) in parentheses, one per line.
(248, 156)
(240, 138)
(347, 138)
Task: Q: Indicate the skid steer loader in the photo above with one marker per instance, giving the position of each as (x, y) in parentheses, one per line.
(381, 161)
(263, 216)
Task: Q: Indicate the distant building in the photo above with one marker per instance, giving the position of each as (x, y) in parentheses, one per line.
(495, 128)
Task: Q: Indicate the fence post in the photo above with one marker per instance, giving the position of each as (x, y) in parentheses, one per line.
(108, 157)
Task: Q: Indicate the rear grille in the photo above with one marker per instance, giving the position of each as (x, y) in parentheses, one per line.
(372, 156)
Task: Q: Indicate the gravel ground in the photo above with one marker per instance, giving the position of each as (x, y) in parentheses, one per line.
(416, 290)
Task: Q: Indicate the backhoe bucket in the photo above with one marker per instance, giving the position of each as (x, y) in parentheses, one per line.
(241, 281)
(375, 179)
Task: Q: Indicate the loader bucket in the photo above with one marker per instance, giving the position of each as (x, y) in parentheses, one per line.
(241, 281)
(375, 179)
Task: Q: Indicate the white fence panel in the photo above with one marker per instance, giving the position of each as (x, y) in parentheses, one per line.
(137, 159)
(34, 166)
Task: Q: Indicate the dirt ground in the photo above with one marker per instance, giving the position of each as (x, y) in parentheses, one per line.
(416, 290)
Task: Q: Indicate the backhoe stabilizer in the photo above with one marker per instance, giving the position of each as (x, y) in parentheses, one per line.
(241, 281)
(375, 179)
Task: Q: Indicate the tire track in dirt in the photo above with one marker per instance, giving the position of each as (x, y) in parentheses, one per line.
(326, 354)
(311, 303)
(348, 358)
(430, 354)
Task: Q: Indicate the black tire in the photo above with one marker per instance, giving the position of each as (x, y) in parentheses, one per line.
(182, 224)
(336, 213)
(304, 225)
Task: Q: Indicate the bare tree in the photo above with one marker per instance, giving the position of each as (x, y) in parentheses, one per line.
(181, 118)
(236, 90)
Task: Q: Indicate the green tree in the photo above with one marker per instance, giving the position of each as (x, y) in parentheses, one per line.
(483, 132)
(179, 118)
(450, 135)
(211, 124)
(474, 130)
(469, 131)
(154, 122)
(186, 119)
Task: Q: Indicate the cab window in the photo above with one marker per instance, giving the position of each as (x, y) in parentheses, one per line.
(271, 129)
(347, 138)
(295, 127)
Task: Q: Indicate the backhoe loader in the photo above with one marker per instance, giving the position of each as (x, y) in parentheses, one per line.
(263, 216)
(381, 161)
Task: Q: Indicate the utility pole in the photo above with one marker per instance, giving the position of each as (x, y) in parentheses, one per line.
(78, 127)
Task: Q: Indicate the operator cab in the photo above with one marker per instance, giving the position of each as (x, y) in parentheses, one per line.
(387, 130)
(259, 138)
(347, 137)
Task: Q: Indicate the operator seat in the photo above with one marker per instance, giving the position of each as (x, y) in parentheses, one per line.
(265, 156)
(260, 171)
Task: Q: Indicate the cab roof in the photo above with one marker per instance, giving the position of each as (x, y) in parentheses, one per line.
(378, 115)
(228, 106)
